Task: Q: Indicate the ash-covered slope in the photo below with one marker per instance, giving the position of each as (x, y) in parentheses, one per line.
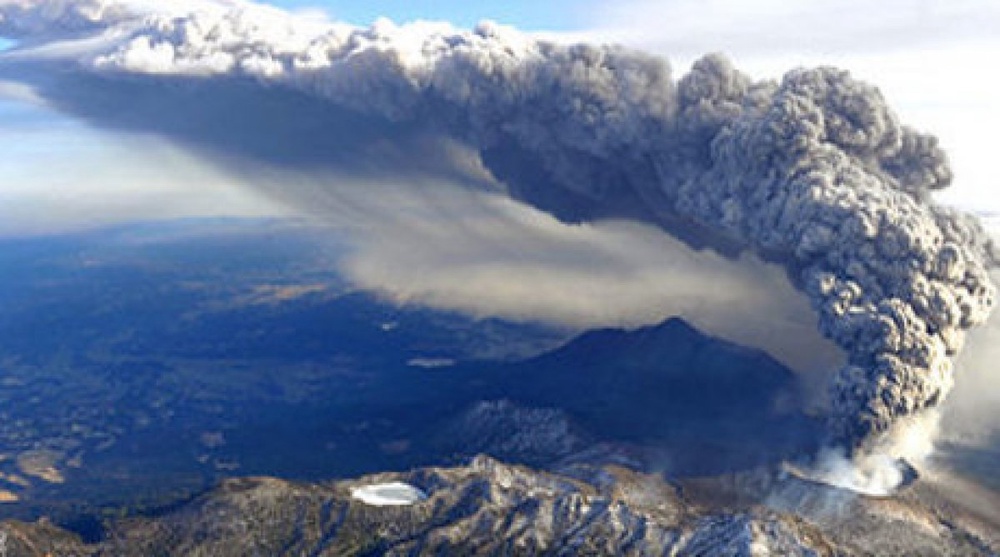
(491, 508)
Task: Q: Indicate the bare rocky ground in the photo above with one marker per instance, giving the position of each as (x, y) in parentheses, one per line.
(491, 508)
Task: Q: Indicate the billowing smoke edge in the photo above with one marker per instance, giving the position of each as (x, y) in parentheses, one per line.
(814, 172)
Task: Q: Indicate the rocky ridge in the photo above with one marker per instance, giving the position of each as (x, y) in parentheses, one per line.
(491, 508)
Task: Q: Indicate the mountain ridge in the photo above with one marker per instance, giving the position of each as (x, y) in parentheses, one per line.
(488, 507)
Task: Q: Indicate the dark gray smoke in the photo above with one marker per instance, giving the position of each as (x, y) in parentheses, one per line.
(814, 171)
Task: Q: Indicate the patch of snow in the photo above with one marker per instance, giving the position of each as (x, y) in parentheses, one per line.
(388, 494)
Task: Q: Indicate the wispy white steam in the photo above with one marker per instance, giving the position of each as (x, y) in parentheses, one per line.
(881, 471)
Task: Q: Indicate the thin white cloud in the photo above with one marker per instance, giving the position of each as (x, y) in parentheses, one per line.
(58, 177)
(20, 93)
(776, 28)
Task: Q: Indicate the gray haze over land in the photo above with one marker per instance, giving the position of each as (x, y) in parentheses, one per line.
(814, 172)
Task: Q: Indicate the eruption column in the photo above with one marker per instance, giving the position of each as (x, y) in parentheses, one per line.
(813, 172)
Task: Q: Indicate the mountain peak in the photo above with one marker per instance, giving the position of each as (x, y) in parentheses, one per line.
(670, 347)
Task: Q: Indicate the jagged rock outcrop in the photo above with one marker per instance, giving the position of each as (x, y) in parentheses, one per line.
(492, 508)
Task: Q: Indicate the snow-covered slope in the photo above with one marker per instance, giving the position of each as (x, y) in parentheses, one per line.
(491, 508)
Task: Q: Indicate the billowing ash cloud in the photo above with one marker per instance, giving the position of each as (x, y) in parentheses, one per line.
(814, 172)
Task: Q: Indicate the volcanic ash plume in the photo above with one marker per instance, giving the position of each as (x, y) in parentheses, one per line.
(814, 172)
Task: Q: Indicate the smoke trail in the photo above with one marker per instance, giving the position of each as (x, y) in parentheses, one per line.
(814, 171)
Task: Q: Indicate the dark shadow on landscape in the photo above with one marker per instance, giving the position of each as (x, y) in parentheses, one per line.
(247, 126)
(240, 121)
(690, 404)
